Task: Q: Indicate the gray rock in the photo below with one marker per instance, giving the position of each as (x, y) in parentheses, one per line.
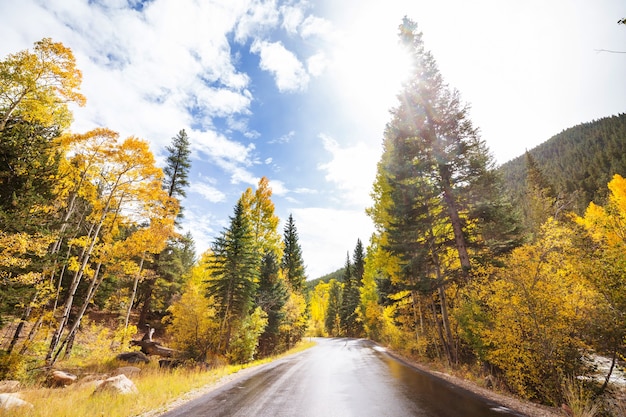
(133, 357)
(119, 384)
(62, 379)
(12, 400)
(9, 386)
(129, 371)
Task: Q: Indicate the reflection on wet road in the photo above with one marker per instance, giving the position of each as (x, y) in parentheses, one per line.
(339, 378)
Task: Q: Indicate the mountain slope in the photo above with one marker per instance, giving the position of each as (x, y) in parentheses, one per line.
(579, 161)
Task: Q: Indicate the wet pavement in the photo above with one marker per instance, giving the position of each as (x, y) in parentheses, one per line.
(340, 378)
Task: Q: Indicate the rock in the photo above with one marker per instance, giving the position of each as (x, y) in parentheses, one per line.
(119, 384)
(129, 371)
(9, 386)
(12, 400)
(170, 363)
(62, 379)
(133, 357)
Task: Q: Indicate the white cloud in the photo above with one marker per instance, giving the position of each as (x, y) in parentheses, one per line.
(288, 71)
(304, 190)
(315, 26)
(203, 226)
(292, 17)
(219, 148)
(256, 17)
(317, 63)
(352, 169)
(284, 138)
(278, 188)
(207, 191)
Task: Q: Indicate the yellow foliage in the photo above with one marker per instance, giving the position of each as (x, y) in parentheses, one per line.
(536, 308)
(38, 85)
(17, 251)
(193, 325)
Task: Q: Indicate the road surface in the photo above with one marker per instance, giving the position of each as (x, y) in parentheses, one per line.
(339, 378)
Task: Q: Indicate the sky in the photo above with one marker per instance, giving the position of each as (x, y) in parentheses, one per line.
(300, 91)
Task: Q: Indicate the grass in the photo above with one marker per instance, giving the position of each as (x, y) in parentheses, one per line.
(157, 388)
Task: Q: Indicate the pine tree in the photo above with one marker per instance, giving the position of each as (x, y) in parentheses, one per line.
(271, 296)
(438, 205)
(332, 320)
(350, 301)
(176, 172)
(292, 263)
(233, 274)
(177, 167)
(358, 261)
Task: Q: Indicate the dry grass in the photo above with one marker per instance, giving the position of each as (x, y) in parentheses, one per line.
(157, 388)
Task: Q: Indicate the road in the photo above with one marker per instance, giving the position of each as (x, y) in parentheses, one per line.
(339, 378)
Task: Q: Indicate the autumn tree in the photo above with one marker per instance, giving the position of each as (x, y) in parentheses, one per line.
(233, 274)
(193, 323)
(37, 86)
(530, 318)
(259, 209)
(128, 186)
(605, 268)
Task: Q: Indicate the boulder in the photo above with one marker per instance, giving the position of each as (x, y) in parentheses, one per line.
(61, 378)
(133, 357)
(119, 384)
(9, 386)
(12, 400)
(129, 371)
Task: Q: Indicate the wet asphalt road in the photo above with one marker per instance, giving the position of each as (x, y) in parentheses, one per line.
(339, 378)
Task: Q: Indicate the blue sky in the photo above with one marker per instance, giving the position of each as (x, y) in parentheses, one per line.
(299, 91)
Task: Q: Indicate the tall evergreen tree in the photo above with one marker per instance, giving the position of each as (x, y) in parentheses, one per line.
(350, 301)
(292, 263)
(332, 320)
(438, 202)
(178, 164)
(271, 296)
(358, 261)
(175, 181)
(233, 274)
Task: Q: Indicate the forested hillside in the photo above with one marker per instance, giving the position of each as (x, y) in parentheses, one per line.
(577, 162)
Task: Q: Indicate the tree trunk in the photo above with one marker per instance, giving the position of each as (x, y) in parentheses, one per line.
(608, 375)
(23, 320)
(145, 308)
(132, 296)
(77, 278)
(31, 335)
(455, 220)
(69, 340)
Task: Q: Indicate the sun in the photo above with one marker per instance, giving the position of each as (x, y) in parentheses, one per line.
(369, 68)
